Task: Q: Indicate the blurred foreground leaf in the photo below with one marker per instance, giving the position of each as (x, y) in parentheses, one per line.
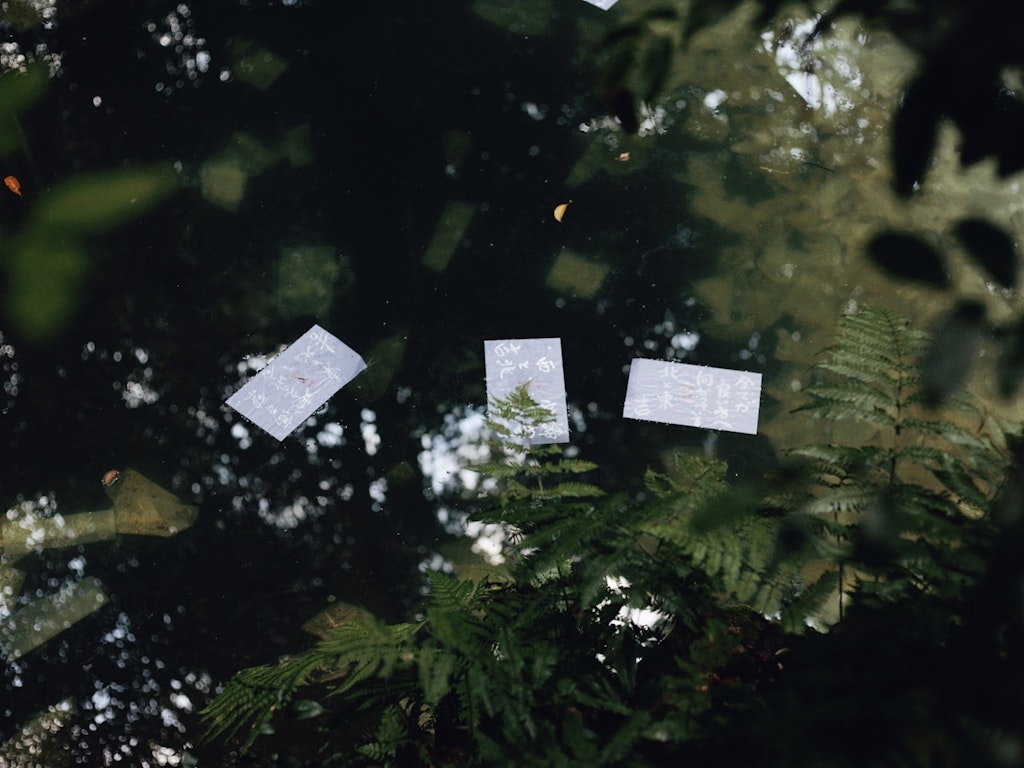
(254, 64)
(93, 203)
(18, 92)
(43, 278)
(382, 363)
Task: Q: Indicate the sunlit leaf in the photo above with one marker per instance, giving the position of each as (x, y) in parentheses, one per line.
(954, 348)
(89, 204)
(906, 257)
(43, 279)
(991, 248)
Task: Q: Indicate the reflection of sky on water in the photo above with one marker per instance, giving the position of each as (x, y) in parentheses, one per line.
(802, 67)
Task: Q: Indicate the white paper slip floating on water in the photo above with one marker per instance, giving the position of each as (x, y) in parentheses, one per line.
(510, 363)
(297, 382)
(604, 5)
(693, 395)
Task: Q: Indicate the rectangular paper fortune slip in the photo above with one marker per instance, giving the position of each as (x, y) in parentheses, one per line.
(693, 395)
(297, 382)
(537, 362)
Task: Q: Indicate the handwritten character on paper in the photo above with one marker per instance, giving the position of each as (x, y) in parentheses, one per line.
(506, 348)
(545, 365)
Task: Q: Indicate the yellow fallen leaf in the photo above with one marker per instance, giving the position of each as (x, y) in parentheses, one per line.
(560, 211)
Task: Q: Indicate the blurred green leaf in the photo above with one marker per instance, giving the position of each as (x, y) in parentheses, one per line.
(93, 203)
(306, 709)
(43, 279)
(18, 92)
(382, 363)
(21, 90)
(254, 64)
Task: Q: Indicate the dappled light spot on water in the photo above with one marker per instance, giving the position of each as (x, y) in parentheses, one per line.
(187, 58)
(802, 66)
(9, 374)
(445, 454)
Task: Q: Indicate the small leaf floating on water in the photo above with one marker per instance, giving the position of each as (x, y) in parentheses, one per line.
(13, 184)
(560, 210)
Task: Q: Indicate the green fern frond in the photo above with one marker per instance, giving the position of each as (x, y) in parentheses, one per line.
(840, 501)
(572, 466)
(865, 397)
(253, 695)
(570, 490)
(368, 648)
(837, 404)
(448, 593)
(740, 556)
(809, 601)
(841, 461)
(498, 469)
(910, 501)
(354, 651)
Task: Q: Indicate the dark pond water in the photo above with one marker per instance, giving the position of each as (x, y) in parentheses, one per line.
(311, 198)
(387, 171)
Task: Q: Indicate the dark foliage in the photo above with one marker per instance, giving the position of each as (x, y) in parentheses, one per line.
(991, 248)
(543, 666)
(908, 258)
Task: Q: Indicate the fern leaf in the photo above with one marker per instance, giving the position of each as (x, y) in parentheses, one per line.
(571, 490)
(842, 461)
(848, 499)
(573, 466)
(864, 396)
(838, 406)
(251, 697)
(810, 601)
(437, 666)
